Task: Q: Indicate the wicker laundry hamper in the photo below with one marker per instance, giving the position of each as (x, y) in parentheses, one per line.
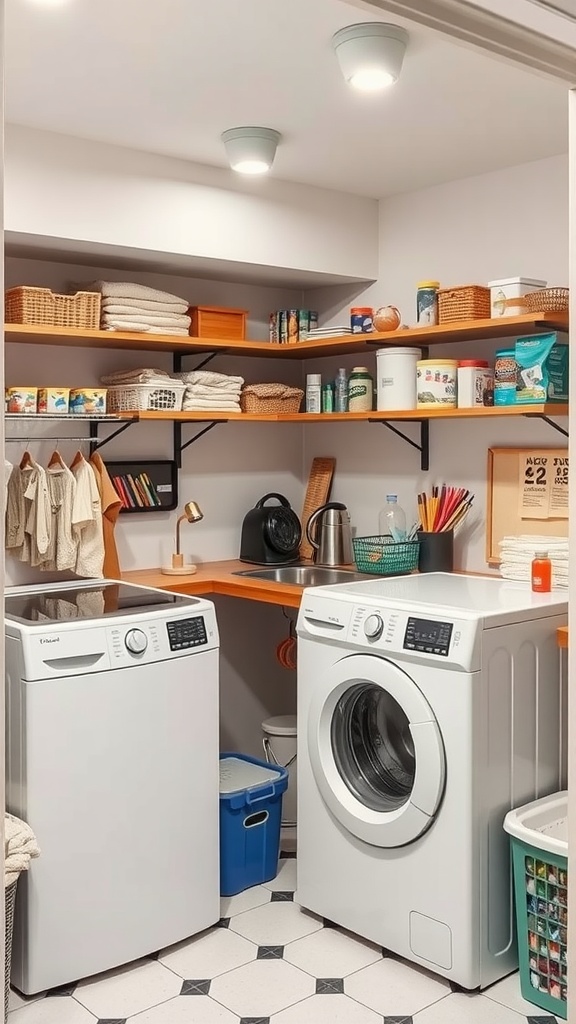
(10, 903)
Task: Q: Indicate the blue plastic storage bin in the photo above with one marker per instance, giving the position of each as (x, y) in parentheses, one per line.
(250, 818)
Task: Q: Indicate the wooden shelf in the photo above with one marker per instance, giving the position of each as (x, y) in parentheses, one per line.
(416, 415)
(468, 330)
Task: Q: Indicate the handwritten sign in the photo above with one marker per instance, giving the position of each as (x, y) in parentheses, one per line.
(543, 486)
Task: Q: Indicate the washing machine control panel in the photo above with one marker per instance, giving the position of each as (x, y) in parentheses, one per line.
(428, 636)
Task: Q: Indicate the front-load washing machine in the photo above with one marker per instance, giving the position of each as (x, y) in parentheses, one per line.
(428, 707)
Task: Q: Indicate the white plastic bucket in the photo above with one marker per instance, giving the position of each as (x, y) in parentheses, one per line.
(279, 742)
(396, 377)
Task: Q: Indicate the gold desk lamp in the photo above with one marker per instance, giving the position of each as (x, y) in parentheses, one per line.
(193, 514)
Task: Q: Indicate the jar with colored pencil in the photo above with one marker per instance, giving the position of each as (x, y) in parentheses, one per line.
(440, 514)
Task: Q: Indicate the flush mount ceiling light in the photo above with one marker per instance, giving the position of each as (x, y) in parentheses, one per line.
(251, 150)
(370, 54)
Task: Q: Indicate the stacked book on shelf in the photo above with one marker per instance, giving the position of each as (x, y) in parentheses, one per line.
(136, 491)
(292, 325)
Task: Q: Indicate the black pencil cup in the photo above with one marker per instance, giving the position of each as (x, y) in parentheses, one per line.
(436, 551)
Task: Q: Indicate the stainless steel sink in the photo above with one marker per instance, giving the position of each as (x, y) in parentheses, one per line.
(303, 575)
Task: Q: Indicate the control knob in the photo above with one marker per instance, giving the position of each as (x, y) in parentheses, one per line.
(373, 627)
(136, 641)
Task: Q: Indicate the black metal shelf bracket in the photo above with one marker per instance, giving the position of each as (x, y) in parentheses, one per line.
(179, 356)
(423, 447)
(96, 442)
(546, 419)
(179, 447)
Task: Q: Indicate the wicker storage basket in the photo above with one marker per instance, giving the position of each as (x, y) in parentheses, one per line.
(27, 305)
(146, 397)
(548, 300)
(270, 399)
(468, 302)
(9, 904)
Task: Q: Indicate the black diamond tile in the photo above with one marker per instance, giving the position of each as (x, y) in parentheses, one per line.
(329, 986)
(270, 952)
(282, 897)
(196, 987)
(109, 1020)
(255, 1020)
(397, 1020)
(224, 922)
(63, 990)
(542, 1020)
(288, 855)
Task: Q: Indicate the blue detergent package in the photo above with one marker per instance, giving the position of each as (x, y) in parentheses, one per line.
(542, 369)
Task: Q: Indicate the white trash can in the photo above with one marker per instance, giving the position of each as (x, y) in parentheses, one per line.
(279, 742)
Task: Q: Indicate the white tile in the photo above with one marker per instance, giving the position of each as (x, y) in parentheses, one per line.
(275, 924)
(285, 880)
(262, 988)
(54, 1010)
(330, 953)
(187, 1010)
(464, 1008)
(16, 1000)
(507, 992)
(209, 955)
(327, 1010)
(243, 901)
(128, 990)
(394, 988)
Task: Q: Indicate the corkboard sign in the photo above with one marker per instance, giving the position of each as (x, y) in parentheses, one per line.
(527, 493)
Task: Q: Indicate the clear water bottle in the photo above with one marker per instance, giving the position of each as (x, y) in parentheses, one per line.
(392, 520)
(341, 392)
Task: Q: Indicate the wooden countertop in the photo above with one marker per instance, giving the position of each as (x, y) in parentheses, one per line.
(562, 636)
(218, 578)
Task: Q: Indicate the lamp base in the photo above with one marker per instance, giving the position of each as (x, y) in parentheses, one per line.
(178, 567)
(179, 570)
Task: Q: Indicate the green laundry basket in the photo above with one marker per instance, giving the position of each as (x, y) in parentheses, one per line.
(539, 838)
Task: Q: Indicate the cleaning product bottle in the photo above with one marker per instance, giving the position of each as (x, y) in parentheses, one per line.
(392, 520)
(541, 573)
(341, 392)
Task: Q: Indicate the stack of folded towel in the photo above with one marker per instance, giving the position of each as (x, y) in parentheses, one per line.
(208, 390)
(517, 554)
(134, 307)
(19, 847)
(142, 375)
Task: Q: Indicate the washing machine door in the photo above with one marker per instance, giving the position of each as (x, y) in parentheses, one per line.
(376, 751)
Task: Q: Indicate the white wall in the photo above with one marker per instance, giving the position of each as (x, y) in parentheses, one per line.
(496, 225)
(68, 188)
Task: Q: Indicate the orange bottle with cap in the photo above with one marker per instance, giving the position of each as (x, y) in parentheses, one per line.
(541, 573)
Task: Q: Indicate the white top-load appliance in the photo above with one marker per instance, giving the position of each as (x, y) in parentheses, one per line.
(112, 758)
(428, 706)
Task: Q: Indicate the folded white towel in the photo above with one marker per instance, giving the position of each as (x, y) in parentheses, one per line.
(151, 319)
(138, 312)
(216, 393)
(215, 405)
(514, 572)
(20, 846)
(143, 305)
(142, 375)
(137, 327)
(210, 379)
(129, 290)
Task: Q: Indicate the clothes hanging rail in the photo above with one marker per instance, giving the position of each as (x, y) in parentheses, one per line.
(92, 422)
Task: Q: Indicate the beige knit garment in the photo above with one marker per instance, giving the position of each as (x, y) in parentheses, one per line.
(88, 521)
(28, 513)
(63, 546)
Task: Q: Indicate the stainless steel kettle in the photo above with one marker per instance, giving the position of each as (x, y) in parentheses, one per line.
(331, 525)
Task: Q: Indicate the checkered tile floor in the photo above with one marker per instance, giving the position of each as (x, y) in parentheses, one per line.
(269, 962)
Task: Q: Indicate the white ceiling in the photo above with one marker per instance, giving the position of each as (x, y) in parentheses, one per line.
(169, 77)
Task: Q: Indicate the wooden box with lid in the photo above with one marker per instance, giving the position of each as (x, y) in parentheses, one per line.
(218, 322)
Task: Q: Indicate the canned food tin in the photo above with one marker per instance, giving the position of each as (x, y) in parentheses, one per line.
(427, 303)
(436, 383)
(505, 373)
(361, 319)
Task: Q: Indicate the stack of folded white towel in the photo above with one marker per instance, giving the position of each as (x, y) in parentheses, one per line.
(142, 375)
(517, 554)
(134, 307)
(208, 390)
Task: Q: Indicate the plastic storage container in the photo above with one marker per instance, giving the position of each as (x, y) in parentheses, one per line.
(506, 295)
(475, 378)
(250, 817)
(539, 832)
(436, 383)
(279, 742)
(396, 377)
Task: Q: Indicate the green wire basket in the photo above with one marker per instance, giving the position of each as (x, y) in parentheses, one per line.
(382, 556)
